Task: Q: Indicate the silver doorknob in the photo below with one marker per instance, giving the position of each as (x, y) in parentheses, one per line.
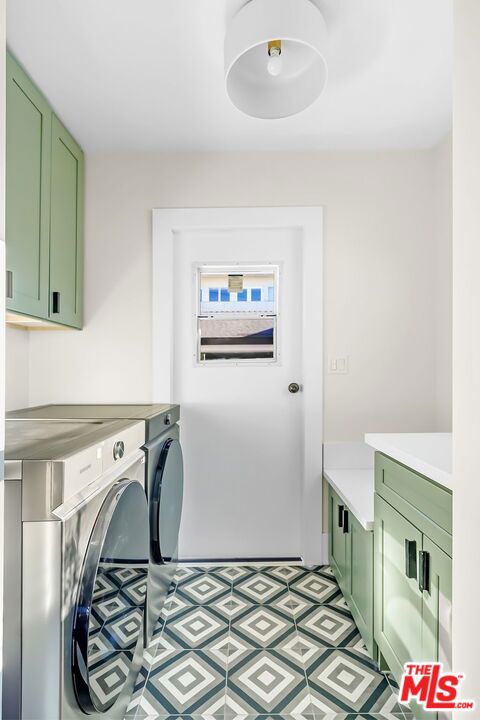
(293, 388)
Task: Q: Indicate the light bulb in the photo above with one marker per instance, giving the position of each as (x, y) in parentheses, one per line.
(274, 65)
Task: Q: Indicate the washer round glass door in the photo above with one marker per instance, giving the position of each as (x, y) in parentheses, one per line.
(166, 503)
(111, 599)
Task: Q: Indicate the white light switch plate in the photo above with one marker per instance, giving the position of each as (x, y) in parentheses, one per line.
(338, 365)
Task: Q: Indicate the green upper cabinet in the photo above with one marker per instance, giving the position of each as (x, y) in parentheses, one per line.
(66, 228)
(44, 208)
(27, 194)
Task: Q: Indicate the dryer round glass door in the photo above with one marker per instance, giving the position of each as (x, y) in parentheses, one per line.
(110, 606)
(166, 503)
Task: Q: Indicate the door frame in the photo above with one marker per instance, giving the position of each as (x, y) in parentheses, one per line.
(166, 222)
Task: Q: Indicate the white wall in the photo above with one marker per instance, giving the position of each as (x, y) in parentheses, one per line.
(466, 346)
(381, 277)
(17, 359)
(2, 304)
(442, 215)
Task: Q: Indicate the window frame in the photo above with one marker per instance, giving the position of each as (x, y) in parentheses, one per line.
(274, 268)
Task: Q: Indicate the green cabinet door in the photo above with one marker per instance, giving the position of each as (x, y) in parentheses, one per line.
(360, 585)
(398, 600)
(437, 605)
(338, 545)
(66, 228)
(27, 194)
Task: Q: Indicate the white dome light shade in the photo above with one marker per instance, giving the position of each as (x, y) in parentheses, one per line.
(275, 85)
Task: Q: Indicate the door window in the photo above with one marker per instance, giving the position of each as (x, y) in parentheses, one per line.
(237, 315)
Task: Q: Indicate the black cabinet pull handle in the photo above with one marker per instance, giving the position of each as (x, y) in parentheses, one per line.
(345, 521)
(411, 559)
(55, 301)
(424, 575)
(9, 284)
(341, 508)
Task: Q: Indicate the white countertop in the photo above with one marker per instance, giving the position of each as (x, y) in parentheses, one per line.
(356, 487)
(429, 454)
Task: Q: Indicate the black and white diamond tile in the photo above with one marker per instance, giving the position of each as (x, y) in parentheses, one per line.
(122, 575)
(104, 586)
(135, 592)
(262, 627)
(203, 588)
(230, 606)
(301, 649)
(260, 589)
(122, 633)
(98, 647)
(233, 573)
(315, 588)
(256, 643)
(339, 602)
(106, 610)
(184, 572)
(197, 627)
(107, 676)
(346, 681)
(328, 626)
(266, 716)
(266, 682)
(282, 573)
(189, 682)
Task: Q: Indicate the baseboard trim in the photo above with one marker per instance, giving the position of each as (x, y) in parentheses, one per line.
(242, 561)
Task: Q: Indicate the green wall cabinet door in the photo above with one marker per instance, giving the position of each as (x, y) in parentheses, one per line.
(398, 600)
(66, 228)
(27, 194)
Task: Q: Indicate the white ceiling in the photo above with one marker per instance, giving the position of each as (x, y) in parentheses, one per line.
(147, 75)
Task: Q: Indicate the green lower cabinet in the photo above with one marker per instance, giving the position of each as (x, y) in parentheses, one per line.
(413, 591)
(351, 559)
(360, 585)
(437, 605)
(338, 545)
(398, 601)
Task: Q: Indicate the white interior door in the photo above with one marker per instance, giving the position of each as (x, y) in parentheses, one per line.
(245, 436)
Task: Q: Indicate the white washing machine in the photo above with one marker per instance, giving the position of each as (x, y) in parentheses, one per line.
(76, 564)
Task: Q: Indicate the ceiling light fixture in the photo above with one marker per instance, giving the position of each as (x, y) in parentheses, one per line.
(274, 57)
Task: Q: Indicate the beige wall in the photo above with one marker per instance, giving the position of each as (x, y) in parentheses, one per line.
(466, 347)
(382, 290)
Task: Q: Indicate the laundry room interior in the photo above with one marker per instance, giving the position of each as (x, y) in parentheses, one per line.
(241, 343)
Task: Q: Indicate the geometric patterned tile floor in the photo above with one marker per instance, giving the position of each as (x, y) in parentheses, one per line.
(243, 642)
